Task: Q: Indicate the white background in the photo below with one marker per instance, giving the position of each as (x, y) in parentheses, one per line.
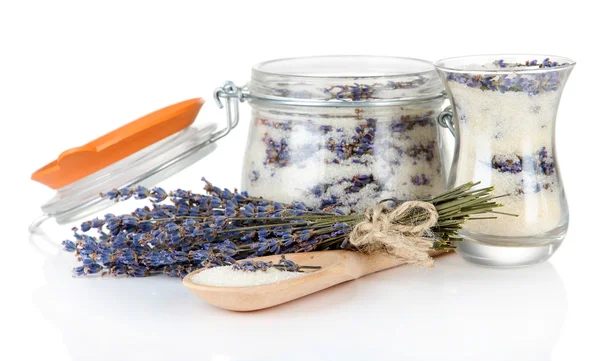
(73, 70)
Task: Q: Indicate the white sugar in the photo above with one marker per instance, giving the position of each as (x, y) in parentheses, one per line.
(226, 276)
(392, 170)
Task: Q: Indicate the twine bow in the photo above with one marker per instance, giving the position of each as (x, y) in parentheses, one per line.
(404, 231)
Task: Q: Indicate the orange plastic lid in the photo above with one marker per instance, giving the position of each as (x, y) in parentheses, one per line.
(77, 163)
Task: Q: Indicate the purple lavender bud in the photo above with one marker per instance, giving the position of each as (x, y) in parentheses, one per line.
(215, 202)
(119, 241)
(305, 234)
(93, 268)
(220, 221)
(87, 269)
(344, 243)
(140, 192)
(125, 193)
(128, 221)
(78, 271)
(500, 63)
(118, 270)
(112, 194)
(226, 194)
(230, 211)
(288, 265)
(96, 223)
(158, 195)
(546, 63)
(262, 233)
(138, 271)
(275, 248)
(86, 226)
(419, 180)
(69, 246)
(545, 162)
(512, 163)
(126, 256)
(142, 213)
(416, 180)
(173, 271)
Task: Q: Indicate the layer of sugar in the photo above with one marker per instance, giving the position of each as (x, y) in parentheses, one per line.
(293, 181)
(492, 123)
(226, 276)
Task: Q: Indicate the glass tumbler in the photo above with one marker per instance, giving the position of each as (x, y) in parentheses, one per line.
(504, 112)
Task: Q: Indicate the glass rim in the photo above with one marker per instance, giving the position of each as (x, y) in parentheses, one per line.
(440, 64)
(259, 67)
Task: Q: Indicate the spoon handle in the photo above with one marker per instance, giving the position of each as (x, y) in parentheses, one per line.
(364, 264)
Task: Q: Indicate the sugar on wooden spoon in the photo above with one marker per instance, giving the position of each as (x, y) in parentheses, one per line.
(257, 291)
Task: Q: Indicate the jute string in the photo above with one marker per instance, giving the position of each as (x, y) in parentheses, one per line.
(384, 229)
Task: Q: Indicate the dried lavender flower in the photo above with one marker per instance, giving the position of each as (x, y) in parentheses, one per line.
(223, 227)
(283, 265)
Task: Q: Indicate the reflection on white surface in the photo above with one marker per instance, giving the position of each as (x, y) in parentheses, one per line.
(455, 311)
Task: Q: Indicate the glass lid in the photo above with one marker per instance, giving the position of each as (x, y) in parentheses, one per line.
(143, 152)
(344, 79)
(144, 168)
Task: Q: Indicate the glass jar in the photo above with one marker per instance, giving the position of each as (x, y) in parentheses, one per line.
(504, 112)
(342, 132)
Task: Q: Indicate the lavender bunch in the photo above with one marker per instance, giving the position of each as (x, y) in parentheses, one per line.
(221, 227)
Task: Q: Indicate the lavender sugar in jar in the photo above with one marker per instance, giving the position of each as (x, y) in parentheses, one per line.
(504, 112)
(342, 132)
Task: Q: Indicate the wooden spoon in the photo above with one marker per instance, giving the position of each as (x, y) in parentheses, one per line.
(336, 267)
